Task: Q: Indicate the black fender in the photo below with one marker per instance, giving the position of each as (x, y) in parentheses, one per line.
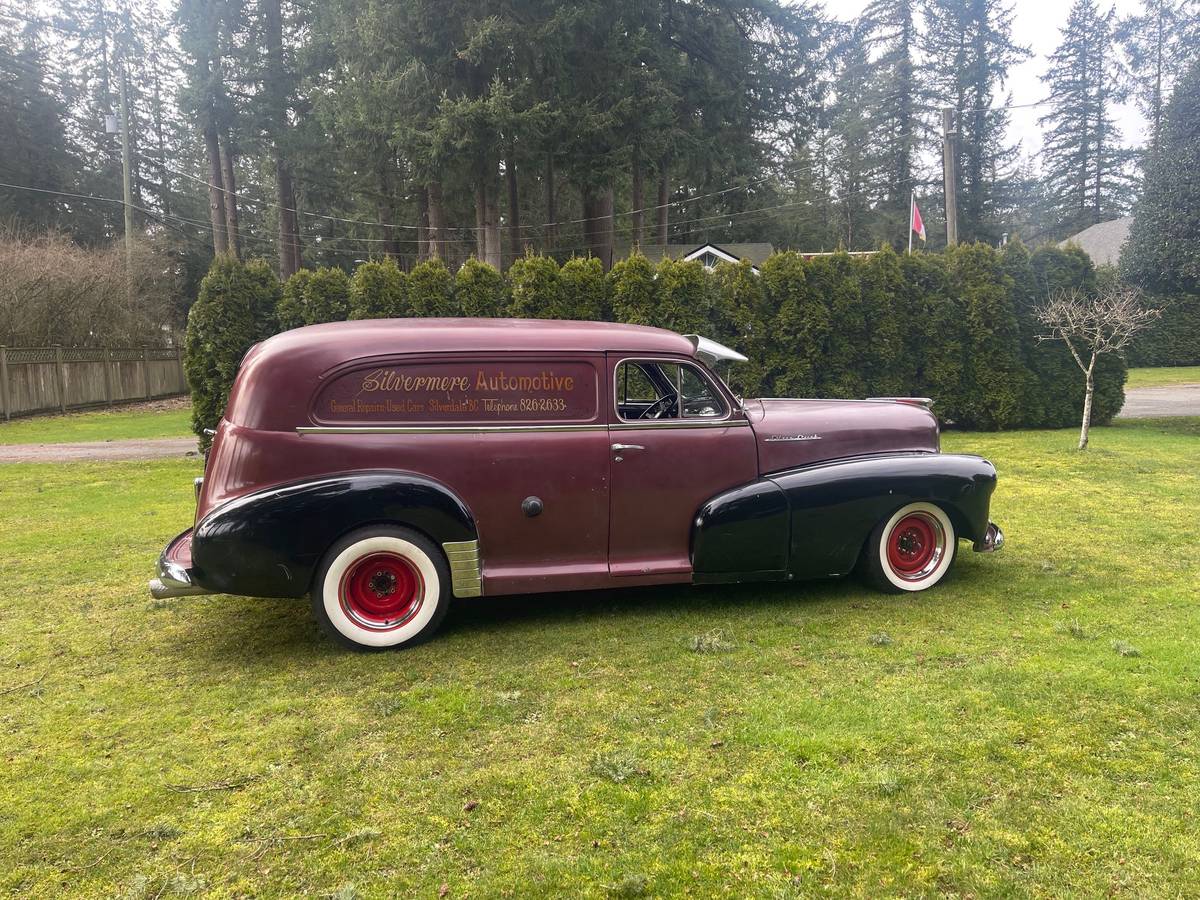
(268, 543)
(830, 510)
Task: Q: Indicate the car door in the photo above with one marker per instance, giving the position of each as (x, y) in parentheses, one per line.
(676, 439)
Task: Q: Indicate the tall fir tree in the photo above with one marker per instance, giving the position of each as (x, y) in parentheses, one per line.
(970, 48)
(1086, 167)
(1160, 41)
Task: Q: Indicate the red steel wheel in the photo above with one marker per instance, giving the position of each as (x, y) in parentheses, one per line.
(380, 587)
(381, 591)
(912, 549)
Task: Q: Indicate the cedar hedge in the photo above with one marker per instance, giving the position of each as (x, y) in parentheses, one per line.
(957, 326)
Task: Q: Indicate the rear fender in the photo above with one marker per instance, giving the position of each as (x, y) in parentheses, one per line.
(269, 543)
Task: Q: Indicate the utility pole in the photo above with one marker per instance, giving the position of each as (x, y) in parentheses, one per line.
(950, 175)
(125, 171)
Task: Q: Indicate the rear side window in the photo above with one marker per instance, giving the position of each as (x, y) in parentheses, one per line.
(449, 393)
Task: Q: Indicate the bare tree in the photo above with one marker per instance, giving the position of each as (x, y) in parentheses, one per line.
(1092, 325)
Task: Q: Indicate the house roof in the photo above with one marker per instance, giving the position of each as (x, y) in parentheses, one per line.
(1103, 241)
(756, 253)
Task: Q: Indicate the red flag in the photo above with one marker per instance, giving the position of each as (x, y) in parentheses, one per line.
(917, 224)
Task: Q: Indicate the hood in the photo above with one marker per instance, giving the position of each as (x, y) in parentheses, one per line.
(795, 433)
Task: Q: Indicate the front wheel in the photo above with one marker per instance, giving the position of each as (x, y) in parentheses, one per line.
(912, 550)
(381, 587)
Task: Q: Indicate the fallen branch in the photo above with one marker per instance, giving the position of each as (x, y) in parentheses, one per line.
(216, 786)
(21, 687)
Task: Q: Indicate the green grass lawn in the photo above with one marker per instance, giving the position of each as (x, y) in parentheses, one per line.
(101, 425)
(1029, 728)
(1163, 377)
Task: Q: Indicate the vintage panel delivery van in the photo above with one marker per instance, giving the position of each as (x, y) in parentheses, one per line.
(384, 467)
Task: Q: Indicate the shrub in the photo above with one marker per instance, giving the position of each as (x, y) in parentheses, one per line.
(995, 379)
(683, 296)
(289, 312)
(842, 372)
(378, 290)
(583, 290)
(800, 328)
(265, 298)
(431, 289)
(631, 287)
(743, 319)
(326, 296)
(220, 330)
(888, 371)
(536, 290)
(480, 290)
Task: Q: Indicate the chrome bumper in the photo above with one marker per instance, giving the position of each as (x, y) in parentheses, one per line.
(993, 539)
(173, 580)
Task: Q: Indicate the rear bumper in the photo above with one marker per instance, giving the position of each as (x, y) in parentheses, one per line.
(993, 539)
(175, 572)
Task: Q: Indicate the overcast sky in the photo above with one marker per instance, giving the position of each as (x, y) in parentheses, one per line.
(1037, 24)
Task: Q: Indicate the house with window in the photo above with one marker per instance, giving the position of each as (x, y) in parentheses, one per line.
(709, 254)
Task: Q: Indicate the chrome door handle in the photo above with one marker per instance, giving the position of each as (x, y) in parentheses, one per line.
(618, 448)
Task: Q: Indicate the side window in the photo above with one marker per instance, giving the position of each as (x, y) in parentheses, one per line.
(649, 390)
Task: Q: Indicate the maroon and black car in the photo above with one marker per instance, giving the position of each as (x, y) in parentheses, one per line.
(384, 467)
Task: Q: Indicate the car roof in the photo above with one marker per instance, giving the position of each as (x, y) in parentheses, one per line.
(375, 337)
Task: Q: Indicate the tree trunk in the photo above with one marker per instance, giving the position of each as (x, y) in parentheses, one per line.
(664, 192)
(637, 200)
(492, 219)
(422, 224)
(480, 216)
(514, 206)
(231, 212)
(1087, 404)
(551, 205)
(216, 185)
(598, 224)
(437, 221)
(289, 225)
(386, 208)
(276, 93)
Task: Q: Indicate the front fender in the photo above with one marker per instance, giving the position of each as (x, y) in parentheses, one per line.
(812, 522)
(269, 543)
(836, 505)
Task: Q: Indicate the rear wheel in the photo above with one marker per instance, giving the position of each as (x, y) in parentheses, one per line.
(911, 550)
(381, 587)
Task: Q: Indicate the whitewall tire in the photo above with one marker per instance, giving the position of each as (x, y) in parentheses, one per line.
(912, 550)
(381, 587)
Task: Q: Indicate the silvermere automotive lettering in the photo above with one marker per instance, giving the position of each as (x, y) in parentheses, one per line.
(520, 391)
(391, 380)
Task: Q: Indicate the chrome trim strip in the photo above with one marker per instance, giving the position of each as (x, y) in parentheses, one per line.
(517, 429)
(442, 429)
(466, 578)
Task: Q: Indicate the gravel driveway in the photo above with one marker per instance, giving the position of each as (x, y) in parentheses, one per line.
(99, 451)
(1152, 402)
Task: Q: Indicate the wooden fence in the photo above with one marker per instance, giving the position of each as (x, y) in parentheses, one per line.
(45, 379)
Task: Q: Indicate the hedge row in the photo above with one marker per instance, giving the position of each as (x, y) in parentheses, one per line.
(957, 326)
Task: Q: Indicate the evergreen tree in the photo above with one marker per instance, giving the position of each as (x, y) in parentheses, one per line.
(289, 313)
(583, 290)
(1084, 164)
(431, 289)
(1163, 253)
(536, 291)
(378, 290)
(800, 326)
(480, 290)
(631, 287)
(1160, 41)
(970, 49)
(326, 296)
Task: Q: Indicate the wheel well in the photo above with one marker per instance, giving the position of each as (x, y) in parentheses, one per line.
(957, 519)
